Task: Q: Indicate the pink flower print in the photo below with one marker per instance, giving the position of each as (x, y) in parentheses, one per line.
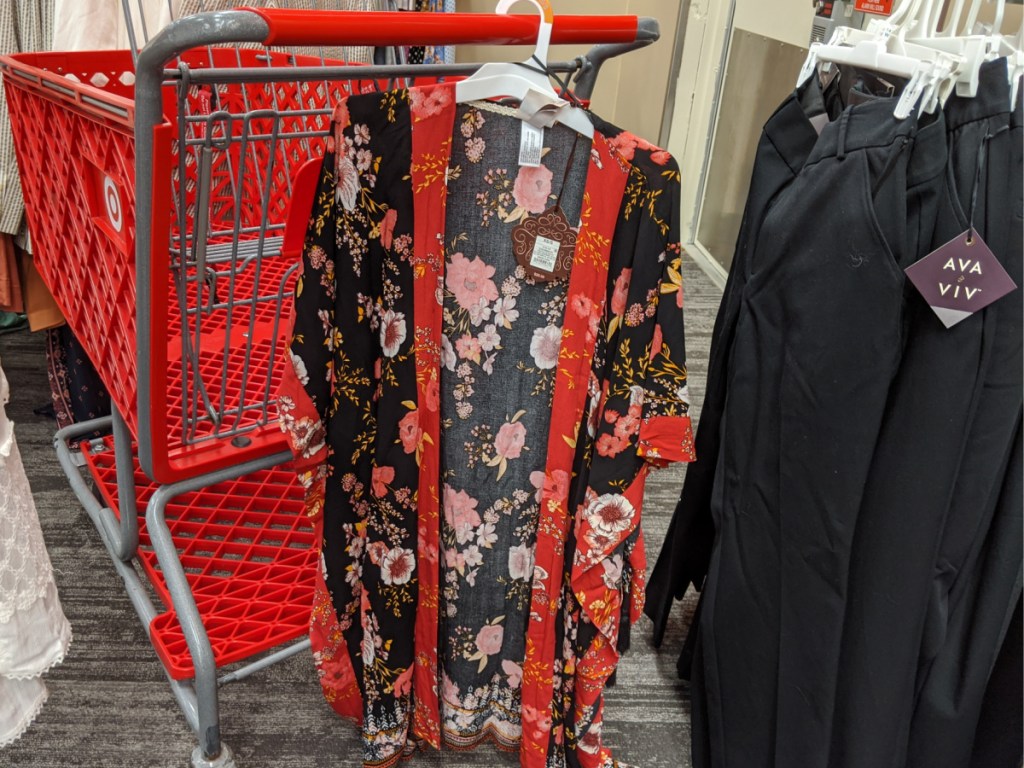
(510, 440)
(470, 280)
(581, 304)
(433, 395)
(479, 312)
(520, 562)
(475, 148)
(449, 690)
(537, 481)
(557, 485)
(364, 158)
(611, 445)
(473, 556)
(392, 332)
(610, 514)
(537, 721)
(426, 102)
(409, 431)
(585, 307)
(317, 257)
(403, 683)
(590, 742)
(629, 424)
(544, 346)
(340, 114)
(612, 576)
(468, 348)
(460, 513)
(346, 183)
(624, 144)
(514, 672)
(361, 134)
(398, 566)
(448, 358)
(621, 292)
(454, 560)
(381, 476)
(489, 338)
(427, 552)
(300, 368)
(488, 639)
(660, 156)
(505, 312)
(532, 188)
(387, 228)
(657, 341)
(308, 436)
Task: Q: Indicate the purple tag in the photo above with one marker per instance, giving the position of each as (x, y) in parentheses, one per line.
(960, 278)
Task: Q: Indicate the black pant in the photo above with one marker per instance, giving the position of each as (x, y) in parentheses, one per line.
(897, 594)
(818, 342)
(786, 141)
(976, 583)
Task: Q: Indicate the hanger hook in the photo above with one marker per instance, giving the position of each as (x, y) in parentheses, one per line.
(547, 17)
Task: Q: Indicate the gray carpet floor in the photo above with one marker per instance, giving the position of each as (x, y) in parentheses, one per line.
(110, 705)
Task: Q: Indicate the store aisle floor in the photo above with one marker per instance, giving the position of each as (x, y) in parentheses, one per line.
(110, 705)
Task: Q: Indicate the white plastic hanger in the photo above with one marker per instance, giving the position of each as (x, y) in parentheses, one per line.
(959, 38)
(525, 82)
(1015, 66)
(883, 47)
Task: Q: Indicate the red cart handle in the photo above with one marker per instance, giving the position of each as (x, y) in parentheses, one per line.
(379, 28)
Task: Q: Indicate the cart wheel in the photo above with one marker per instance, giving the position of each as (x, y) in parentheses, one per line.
(225, 759)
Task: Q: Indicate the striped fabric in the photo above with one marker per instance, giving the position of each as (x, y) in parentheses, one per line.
(25, 25)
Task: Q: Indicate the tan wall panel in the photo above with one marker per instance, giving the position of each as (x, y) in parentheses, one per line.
(786, 20)
(748, 100)
(631, 89)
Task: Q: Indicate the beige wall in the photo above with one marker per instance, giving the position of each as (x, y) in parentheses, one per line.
(631, 89)
(788, 21)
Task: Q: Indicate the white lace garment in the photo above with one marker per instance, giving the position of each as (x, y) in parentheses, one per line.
(34, 634)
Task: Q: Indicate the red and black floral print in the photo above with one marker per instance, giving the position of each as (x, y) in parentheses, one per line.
(398, 321)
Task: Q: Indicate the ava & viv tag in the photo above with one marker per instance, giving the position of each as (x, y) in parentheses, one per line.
(960, 278)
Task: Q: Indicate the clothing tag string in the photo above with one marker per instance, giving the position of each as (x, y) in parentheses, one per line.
(982, 151)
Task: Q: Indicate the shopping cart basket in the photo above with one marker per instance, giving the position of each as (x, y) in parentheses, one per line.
(158, 198)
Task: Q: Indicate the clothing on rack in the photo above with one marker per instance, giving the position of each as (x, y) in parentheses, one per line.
(34, 634)
(26, 25)
(474, 443)
(11, 297)
(858, 545)
(76, 389)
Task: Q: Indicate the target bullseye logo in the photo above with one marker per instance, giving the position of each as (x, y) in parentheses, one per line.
(112, 198)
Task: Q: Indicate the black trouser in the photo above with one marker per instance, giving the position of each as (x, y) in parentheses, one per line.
(999, 739)
(976, 582)
(940, 422)
(818, 342)
(786, 141)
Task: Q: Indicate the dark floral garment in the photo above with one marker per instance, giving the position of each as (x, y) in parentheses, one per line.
(474, 444)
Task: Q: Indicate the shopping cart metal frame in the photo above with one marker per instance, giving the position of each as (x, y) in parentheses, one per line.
(143, 440)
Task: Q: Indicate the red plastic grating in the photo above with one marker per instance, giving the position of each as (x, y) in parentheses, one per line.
(248, 552)
(79, 185)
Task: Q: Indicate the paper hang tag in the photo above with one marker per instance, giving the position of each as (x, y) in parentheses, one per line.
(544, 244)
(960, 278)
(540, 109)
(531, 145)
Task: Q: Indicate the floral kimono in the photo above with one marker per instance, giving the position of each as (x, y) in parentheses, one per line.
(474, 441)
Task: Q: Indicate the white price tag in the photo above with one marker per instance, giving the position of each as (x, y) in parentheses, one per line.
(531, 142)
(545, 254)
